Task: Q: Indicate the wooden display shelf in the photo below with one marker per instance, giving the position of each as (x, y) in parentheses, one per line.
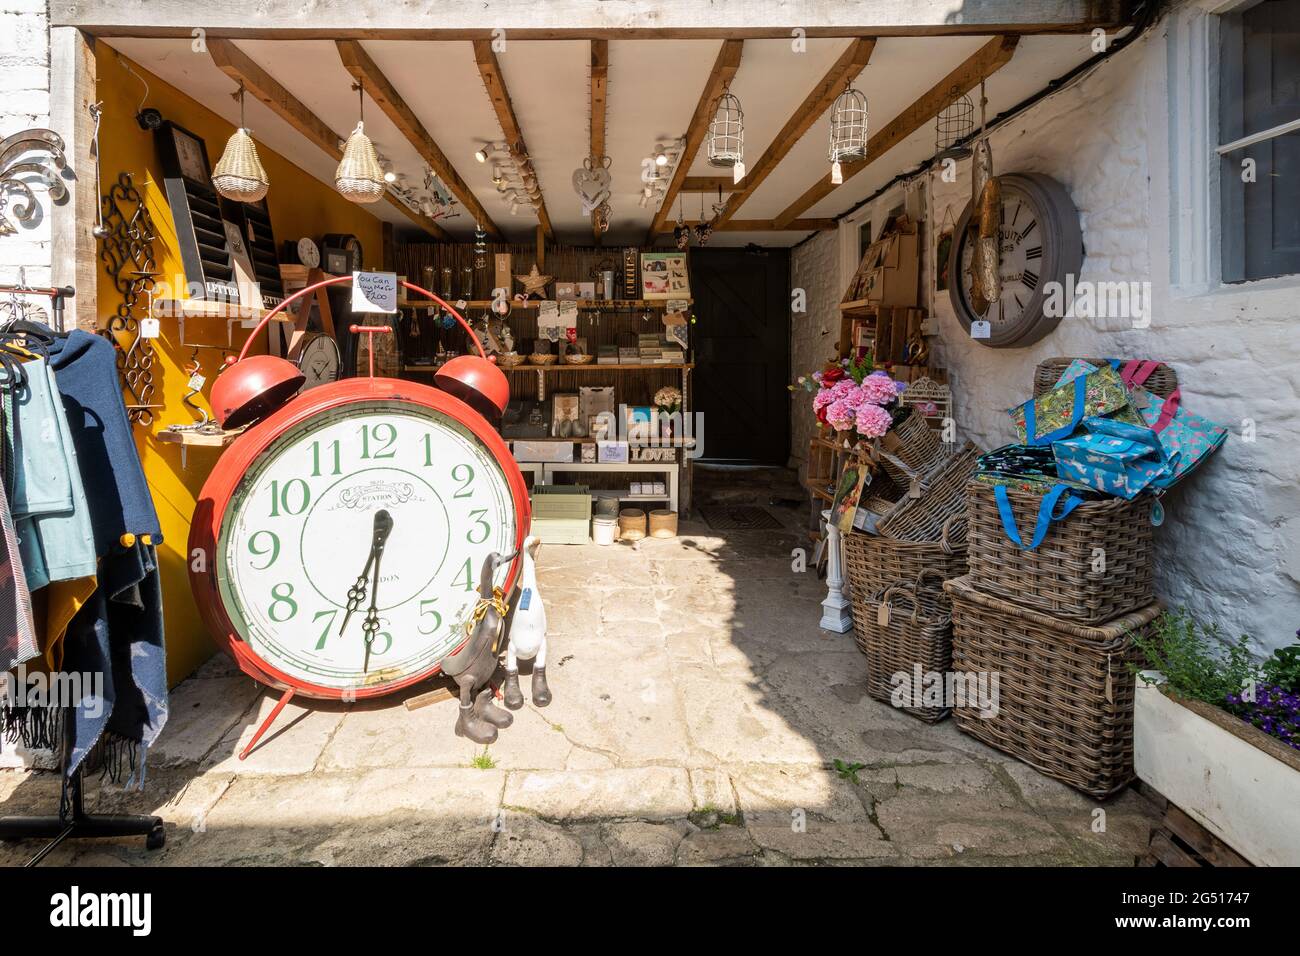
(197, 439)
(405, 303)
(592, 366)
(860, 306)
(205, 309)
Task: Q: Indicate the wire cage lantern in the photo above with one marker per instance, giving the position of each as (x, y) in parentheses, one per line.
(727, 135)
(953, 127)
(848, 130)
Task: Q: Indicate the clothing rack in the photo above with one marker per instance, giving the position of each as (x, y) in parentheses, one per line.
(72, 821)
(56, 295)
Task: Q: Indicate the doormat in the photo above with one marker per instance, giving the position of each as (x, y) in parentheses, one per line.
(738, 518)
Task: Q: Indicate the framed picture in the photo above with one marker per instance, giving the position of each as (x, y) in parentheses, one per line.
(664, 276)
(941, 255)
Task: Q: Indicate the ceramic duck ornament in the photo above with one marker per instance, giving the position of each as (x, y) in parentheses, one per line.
(527, 633)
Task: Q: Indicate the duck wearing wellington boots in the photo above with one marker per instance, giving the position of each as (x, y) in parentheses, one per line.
(527, 633)
(472, 664)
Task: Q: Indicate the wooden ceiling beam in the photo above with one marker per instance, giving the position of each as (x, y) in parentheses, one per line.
(982, 64)
(709, 184)
(761, 225)
(241, 68)
(599, 94)
(844, 71)
(365, 71)
(495, 83)
(724, 70)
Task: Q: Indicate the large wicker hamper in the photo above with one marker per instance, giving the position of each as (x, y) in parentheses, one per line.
(1064, 702)
(1091, 567)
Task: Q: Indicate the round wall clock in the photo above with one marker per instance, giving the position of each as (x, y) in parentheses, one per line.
(1040, 243)
(345, 535)
(318, 359)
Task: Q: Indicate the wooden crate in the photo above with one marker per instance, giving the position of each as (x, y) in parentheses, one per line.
(1179, 841)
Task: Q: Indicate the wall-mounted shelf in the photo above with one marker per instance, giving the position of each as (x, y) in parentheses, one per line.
(593, 367)
(586, 304)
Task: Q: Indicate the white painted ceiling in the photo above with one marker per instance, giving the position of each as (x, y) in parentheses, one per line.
(653, 89)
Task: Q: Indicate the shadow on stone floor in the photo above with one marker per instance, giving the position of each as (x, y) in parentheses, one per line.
(698, 716)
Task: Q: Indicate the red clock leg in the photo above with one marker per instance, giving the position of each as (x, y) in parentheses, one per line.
(270, 719)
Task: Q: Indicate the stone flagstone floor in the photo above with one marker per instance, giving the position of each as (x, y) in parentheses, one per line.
(697, 717)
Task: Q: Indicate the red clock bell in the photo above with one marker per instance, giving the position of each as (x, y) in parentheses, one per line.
(345, 530)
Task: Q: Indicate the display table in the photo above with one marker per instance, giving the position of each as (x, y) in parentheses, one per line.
(667, 469)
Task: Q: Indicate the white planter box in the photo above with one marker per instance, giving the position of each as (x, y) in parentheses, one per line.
(1235, 780)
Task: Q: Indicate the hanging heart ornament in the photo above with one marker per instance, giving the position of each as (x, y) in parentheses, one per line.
(591, 182)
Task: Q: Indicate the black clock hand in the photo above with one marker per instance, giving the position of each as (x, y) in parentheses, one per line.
(370, 627)
(357, 593)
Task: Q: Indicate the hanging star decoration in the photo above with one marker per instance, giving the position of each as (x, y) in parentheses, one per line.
(534, 282)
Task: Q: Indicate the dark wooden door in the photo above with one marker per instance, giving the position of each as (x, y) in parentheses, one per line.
(742, 353)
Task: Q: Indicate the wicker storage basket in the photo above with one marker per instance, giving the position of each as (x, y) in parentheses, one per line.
(239, 175)
(872, 562)
(631, 524)
(1064, 701)
(917, 633)
(942, 495)
(1092, 567)
(1162, 381)
(917, 445)
(663, 523)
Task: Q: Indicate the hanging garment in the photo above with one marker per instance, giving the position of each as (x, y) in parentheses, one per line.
(118, 633)
(17, 629)
(48, 501)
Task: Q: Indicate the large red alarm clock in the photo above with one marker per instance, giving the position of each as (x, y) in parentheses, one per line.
(344, 533)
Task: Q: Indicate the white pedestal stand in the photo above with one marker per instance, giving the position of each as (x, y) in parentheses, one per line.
(837, 613)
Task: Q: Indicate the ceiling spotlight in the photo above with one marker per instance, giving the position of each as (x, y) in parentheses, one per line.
(480, 155)
(390, 176)
(661, 158)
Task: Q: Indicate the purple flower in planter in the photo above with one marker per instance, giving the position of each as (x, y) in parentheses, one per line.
(1274, 711)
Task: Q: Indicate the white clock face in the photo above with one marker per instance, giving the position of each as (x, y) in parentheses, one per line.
(308, 253)
(1020, 244)
(298, 534)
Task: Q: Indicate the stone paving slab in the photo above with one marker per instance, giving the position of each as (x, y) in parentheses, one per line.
(698, 715)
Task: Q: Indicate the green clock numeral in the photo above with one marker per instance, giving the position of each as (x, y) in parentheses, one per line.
(376, 650)
(428, 450)
(427, 611)
(273, 549)
(385, 433)
(334, 447)
(466, 578)
(477, 516)
(282, 596)
(331, 613)
(463, 469)
(280, 497)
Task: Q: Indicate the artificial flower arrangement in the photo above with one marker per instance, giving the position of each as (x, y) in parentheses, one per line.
(849, 396)
(668, 399)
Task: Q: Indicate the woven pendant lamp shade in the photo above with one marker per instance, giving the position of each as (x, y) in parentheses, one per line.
(239, 175)
(359, 176)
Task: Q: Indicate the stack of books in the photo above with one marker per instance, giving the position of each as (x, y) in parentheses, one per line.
(629, 356)
(607, 355)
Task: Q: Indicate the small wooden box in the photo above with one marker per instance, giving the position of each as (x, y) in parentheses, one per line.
(562, 514)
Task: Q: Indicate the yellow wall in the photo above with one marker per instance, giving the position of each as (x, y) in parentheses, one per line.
(300, 205)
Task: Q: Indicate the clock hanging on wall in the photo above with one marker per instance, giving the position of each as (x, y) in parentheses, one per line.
(1039, 243)
(344, 533)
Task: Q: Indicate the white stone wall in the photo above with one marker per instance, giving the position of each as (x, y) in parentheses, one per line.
(24, 103)
(1229, 551)
(814, 333)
